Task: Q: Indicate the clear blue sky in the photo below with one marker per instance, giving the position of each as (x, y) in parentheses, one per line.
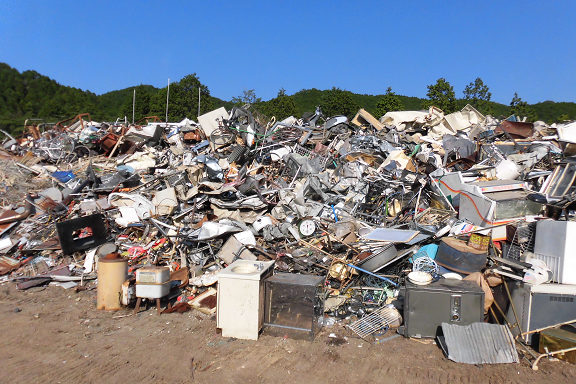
(527, 46)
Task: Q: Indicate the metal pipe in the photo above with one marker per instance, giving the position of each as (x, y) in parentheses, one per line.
(373, 274)
(19, 216)
(548, 327)
(535, 365)
(35, 172)
(167, 98)
(512, 304)
(133, 105)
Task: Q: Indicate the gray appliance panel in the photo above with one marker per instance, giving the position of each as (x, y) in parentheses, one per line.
(539, 310)
(427, 307)
(447, 286)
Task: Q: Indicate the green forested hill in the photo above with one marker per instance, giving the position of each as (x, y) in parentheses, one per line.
(112, 103)
(551, 111)
(32, 95)
(307, 100)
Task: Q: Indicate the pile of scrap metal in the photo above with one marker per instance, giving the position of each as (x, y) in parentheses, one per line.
(377, 216)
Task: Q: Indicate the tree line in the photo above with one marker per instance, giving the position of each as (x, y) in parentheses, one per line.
(32, 95)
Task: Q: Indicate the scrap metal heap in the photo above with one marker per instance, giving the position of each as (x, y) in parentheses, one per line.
(379, 210)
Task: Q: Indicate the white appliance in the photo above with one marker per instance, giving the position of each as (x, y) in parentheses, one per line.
(240, 300)
(495, 202)
(555, 245)
(487, 203)
(542, 305)
(152, 282)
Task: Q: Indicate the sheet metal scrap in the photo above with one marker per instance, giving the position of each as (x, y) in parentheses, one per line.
(479, 343)
(8, 264)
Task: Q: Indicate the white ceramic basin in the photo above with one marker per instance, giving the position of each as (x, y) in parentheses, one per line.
(245, 269)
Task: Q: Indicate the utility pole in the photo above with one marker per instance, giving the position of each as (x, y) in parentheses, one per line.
(167, 96)
(133, 105)
(198, 103)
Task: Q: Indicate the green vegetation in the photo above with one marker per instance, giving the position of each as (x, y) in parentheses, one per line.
(114, 102)
(282, 106)
(477, 95)
(31, 95)
(338, 102)
(441, 95)
(390, 102)
(520, 108)
(248, 97)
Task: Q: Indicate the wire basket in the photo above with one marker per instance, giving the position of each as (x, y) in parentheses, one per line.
(374, 322)
(521, 237)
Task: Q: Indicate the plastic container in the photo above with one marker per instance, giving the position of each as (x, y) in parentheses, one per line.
(152, 275)
(112, 273)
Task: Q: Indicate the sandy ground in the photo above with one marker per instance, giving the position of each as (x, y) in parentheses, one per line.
(50, 334)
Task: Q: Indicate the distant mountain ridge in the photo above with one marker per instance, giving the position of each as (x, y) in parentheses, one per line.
(32, 95)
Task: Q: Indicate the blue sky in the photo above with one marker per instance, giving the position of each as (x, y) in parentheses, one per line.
(527, 46)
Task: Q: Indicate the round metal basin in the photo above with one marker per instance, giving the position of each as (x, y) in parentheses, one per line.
(245, 269)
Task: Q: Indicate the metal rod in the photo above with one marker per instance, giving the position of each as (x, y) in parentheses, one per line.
(503, 315)
(373, 274)
(442, 193)
(512, 304)
(315, 247)
(35, 172)
(551, 326)
(494, 315)
(417, 203)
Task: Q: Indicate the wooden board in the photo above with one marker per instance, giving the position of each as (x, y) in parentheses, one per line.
(205, 302)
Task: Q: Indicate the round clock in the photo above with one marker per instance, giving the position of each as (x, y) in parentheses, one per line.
(307, 227)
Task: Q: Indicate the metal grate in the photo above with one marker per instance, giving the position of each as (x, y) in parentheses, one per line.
(289, 173)
(178, 178)
(522, 240)
(374, 322)
(312, 156)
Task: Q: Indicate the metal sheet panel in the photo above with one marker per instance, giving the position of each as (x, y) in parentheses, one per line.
(392, 235)
(8, 264)
(479, 343)
(517, 129)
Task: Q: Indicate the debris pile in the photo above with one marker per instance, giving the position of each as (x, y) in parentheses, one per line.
(417, 221)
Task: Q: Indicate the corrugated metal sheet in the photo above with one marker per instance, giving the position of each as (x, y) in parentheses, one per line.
(479, 343)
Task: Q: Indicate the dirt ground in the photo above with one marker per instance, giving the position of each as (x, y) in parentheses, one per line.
(49, 334)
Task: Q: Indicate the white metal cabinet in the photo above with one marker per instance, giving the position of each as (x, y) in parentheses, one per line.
(240, 300)
(555, 244)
